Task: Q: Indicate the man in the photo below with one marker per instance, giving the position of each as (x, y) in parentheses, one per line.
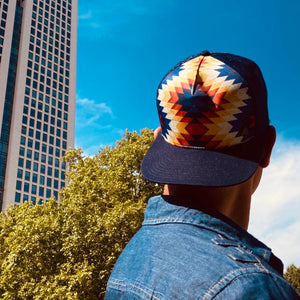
(210, 150)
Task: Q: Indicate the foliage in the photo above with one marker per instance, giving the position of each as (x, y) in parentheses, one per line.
(67, 250)
(292, 275)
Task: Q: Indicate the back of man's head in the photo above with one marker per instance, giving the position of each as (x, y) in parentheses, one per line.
(213, 113)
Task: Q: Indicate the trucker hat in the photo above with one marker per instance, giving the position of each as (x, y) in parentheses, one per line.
(213, 113)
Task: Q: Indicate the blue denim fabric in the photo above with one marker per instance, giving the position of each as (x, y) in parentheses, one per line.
(183, 253)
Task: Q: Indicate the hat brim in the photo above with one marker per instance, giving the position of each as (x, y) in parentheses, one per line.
(168, 164)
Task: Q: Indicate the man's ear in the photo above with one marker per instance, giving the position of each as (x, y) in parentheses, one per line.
(157, 132)
(269, 141)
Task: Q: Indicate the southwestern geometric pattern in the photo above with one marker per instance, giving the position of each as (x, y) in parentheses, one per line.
(203, 103)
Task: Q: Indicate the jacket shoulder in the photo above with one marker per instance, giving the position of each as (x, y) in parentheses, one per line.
(251, 283)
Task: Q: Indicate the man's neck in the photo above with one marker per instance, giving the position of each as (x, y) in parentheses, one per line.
(233, 202)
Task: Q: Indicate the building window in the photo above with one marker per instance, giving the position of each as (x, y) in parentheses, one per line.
(30, 132)
(55, 194)
(49, 171)
(37, 146)
(22, 151)
(41, 191)
(33, 189)
(27, 175)
(23, 140)
(19, 185)
(26, 187)
(38, 135)
(28, 164)
(35, 167)
(55, 183)
(18, 197)
(20, 173)
(36, 156)
(56, 162)
(34, 177)
(29, 153)
(21, 162)
(29, 143)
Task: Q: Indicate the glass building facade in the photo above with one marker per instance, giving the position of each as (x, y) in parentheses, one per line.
(38, 106)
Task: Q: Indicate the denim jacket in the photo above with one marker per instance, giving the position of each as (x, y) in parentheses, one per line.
(184, 253)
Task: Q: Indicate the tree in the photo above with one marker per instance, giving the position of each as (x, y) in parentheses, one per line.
(292, 275)
(67, 250)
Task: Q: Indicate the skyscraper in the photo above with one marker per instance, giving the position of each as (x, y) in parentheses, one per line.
(37, 96)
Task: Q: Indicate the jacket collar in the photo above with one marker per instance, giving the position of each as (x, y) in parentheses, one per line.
(170, 209)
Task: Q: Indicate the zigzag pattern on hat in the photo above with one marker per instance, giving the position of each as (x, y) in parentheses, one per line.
(204, 103)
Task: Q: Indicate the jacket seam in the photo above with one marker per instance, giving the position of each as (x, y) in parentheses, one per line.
(153, 222)
(136, 287)
(262, 270)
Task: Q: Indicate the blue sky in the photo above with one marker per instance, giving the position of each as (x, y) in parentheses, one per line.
(125, 47)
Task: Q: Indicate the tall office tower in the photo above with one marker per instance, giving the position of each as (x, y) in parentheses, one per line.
(37, 96)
